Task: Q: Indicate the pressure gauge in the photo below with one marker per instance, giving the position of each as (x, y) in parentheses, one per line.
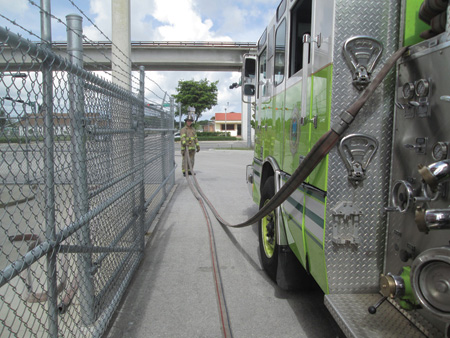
(440, 151)
(422, 88)
(408, 90)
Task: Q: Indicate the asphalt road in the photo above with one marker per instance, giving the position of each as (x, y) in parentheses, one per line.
(173, 295)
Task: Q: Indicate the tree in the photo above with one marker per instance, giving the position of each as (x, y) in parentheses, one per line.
(202, 95)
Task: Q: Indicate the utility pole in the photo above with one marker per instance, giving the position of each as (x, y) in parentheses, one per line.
(226, 130)
(249, 126)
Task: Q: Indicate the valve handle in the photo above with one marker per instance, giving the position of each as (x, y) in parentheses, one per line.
(373, 309)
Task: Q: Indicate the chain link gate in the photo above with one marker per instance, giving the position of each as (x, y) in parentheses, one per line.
(85, 167)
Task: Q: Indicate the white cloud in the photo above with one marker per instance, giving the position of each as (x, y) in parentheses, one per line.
(177, 20)
(18, 8)
(20, 16)
(100, 13)
(243, 20)
(166, 20)
(156, 20)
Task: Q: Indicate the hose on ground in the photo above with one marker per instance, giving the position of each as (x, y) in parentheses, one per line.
(225, 323)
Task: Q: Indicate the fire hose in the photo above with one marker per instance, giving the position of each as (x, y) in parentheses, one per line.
(223, 311)
(317, 152)
(312, 159)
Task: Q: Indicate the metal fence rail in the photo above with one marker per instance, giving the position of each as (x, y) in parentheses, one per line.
(85, 167)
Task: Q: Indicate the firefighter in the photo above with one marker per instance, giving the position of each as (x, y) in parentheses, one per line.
(189, 142)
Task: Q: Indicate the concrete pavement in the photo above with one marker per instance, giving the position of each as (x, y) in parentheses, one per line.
(172, 293)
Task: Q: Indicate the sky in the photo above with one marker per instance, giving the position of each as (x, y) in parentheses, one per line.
(158, 20)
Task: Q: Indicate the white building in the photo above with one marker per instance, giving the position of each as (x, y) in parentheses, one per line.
(231, 122)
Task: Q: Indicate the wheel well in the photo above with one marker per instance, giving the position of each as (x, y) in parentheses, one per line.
(267, 171)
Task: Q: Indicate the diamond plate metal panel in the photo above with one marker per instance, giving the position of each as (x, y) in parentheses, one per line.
(350, 312)
(355, 268)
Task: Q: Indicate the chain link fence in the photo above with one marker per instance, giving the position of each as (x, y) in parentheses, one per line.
(85, 166)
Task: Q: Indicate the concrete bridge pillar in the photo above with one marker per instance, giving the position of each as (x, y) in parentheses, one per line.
(121, 47)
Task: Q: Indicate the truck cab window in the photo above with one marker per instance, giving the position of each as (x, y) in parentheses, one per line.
(263, 73)
(280, 48)
(300, 25)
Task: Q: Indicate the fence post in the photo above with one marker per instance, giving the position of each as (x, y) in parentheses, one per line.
(50, 232)
(79, 166)
(141, 149)
(171, 124)
(249, 125)
(165, 151)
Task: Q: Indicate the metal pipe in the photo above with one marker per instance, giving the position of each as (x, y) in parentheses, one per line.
(106, 131)
(129, 158)
(49, 169)
(97, 89)
(306, 45)
(165, 149)
(249, 125)
(158, 130)
(79, 163)
(141, 152)
(436, 173)
(97, 249)
(434, 219)
(437, 219)
(171, 145)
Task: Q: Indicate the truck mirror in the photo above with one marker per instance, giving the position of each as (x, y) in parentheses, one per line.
(248, 78)
(249, 89)
(250, 68)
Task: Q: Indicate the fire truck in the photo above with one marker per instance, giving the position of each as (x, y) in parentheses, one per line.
(370, 224)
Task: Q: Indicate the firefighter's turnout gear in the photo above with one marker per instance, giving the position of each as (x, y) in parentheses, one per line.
(189, 142)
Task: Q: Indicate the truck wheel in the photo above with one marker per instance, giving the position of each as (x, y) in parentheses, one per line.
(268, 247)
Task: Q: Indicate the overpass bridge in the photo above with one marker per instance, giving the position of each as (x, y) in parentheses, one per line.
(158, 56)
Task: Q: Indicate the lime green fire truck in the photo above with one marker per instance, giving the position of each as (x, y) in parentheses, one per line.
(371, 222)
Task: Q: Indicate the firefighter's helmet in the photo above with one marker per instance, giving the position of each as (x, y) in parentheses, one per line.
(189, 118)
